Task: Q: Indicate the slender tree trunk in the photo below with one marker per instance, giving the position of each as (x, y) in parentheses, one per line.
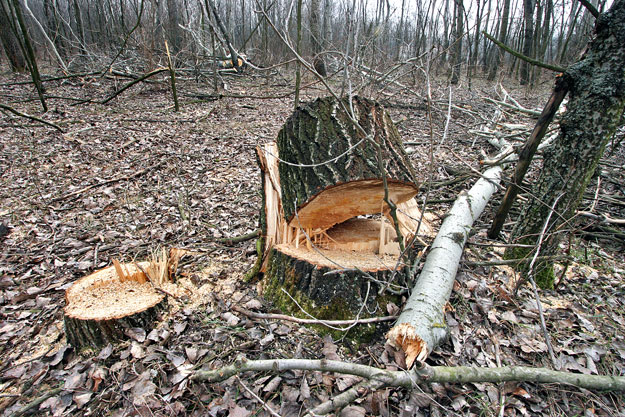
(173, 33)
(594, 110)
(298, 69)
(30, 54)
(10, 43)
(457, 64)
(528, 35)
(316, 38)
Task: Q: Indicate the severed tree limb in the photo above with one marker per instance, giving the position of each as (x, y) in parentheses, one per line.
(527, 153)
(523, 57)
(421, 325)
(231, 241)
(28, 116)
(410, 378)
(109, 181)
(133, 82)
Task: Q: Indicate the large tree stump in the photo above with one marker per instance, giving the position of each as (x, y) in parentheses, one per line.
(101, 307)
(329, 242)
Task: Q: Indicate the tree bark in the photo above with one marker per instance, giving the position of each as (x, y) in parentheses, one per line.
(321, 131)
(458, 34)
(10, 43)
(596, 102)
(316, 38)
(421, 325)
(528, 36)
(321, 174)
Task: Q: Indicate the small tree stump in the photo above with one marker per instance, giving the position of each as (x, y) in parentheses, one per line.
(328, 237)
(102, 306)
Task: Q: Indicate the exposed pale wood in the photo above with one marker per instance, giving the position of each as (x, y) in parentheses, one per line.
(421, 325)
(344, 201)
(100, 306)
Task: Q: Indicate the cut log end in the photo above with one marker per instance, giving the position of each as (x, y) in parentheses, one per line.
(101, 306)
(403, 336)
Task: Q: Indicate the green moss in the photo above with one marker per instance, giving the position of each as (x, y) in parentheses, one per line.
(284, 293)
(252, 274)
(544, 275)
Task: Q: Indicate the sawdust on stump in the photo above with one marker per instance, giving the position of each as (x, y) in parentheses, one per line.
(101, 306)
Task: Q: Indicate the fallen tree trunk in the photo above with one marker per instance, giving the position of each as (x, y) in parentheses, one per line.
(421, 325)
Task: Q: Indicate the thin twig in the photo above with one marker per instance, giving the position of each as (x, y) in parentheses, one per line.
(257, 398)
(268, 316)
(530, 276)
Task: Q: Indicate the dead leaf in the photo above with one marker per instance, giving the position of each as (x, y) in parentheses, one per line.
(136, 333)
(137, 351)
(329, 349)
(75, 381)
(105, 352)
(239, 412)
(520, 392)
(353, 411)
(267, 339)
(273, 384)
(253, 304)
(230, 318)
(179, 327)
(304, 389)
(82, 399)
(192, 353)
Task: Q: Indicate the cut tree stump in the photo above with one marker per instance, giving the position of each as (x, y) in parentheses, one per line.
(102, 306)
(328, 239)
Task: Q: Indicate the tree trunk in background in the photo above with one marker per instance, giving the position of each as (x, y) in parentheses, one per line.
(596, 103)
(298, 66)
(459, 32)
(316, 38)
(79, 26)
(173, 33)
(30, 54)
(528, 37)
(9, 41)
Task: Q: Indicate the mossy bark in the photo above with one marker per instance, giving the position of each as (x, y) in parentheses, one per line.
(88, 334)
(320, 131)
(290, 281)
(596, 102)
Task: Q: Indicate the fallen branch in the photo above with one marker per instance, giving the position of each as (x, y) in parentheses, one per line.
(231, 241)
(523, 57)
(500, 262)
(603, 218)
(130, 84)
(28, 116)
(520, 109)
(421, 325)
(424, 373)
(110, 181)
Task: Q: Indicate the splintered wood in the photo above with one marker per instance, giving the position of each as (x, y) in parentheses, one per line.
(332, 222)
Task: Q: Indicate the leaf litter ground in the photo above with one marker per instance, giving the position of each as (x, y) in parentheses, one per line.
(133, 176)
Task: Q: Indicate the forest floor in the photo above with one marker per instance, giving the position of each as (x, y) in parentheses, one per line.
(133, 176)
